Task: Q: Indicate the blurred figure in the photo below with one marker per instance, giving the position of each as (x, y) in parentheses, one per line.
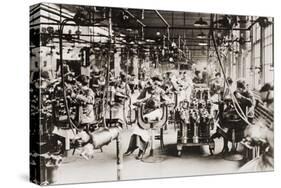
(86, 100)
(187, 85)
(217, 83)
(266, 93)
(245, 99)
(197, 78)
(262, 135)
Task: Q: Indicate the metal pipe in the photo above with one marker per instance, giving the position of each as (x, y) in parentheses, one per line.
(149, 27)
(134, 17)
(53, 12)
(162, 18)
(43, 16)
(34, 10)
(167, 24)
(62, 68)
(55, 9)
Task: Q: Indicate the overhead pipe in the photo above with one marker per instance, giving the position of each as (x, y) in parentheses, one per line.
(167, 24)
(43, 16)
(150, 27)
(162, 18)
(55, 9)
(34, 10)
(82, 41)
(134, 17)
(55, 13)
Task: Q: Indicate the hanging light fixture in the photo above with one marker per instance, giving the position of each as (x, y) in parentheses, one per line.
(202, 44)
(201, 36)
(200, 23)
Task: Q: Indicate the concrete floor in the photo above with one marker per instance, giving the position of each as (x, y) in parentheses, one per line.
(194, 161)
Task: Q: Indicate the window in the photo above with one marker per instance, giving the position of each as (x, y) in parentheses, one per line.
(268, 53)
(256, 58)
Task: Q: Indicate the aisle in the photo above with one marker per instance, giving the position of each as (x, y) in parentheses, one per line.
(194, 161)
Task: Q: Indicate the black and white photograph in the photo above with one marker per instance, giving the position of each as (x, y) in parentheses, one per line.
(122, 93)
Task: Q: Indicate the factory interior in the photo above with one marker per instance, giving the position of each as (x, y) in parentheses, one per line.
(126, 94)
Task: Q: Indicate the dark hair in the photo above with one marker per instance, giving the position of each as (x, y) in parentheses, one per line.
(229, 80)
(218, 74)
(45, 75)
(266, 87)
(241, 84)
(84, 79)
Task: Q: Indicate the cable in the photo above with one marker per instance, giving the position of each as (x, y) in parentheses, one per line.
(62, 77)
(234, 100)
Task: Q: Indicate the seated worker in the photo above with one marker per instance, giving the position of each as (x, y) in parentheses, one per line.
(246, 102)
(222, 105)
(117, 94)
(266, 93)
(170, 86)
(86, 100)
(167, 82)
(152, 96)
(70, 88)
(245, 99)
(197, 78)
(133, 83)
(187, 86)
(217, 83)
(122, 94)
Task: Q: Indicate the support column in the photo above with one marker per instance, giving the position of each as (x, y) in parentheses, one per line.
(135, 63)
(146, 65)
(117, 61)
(119, 155)
(262, 60)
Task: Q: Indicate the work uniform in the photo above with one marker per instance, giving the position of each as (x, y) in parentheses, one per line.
(152, 97)
(247, 104)
(118, 95)
(86, 108)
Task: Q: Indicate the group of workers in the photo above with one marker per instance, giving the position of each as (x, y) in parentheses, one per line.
(86, 100)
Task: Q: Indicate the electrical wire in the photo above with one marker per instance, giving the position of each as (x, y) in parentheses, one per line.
(233, 98)
(72, 125)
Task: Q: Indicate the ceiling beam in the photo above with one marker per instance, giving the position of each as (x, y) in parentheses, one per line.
(134, 17)
(150, 27)
(162, 18)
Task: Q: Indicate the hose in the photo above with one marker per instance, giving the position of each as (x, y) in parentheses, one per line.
(233, 98)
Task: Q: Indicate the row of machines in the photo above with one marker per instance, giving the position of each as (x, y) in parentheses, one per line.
(58, 130)
(195, 120)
